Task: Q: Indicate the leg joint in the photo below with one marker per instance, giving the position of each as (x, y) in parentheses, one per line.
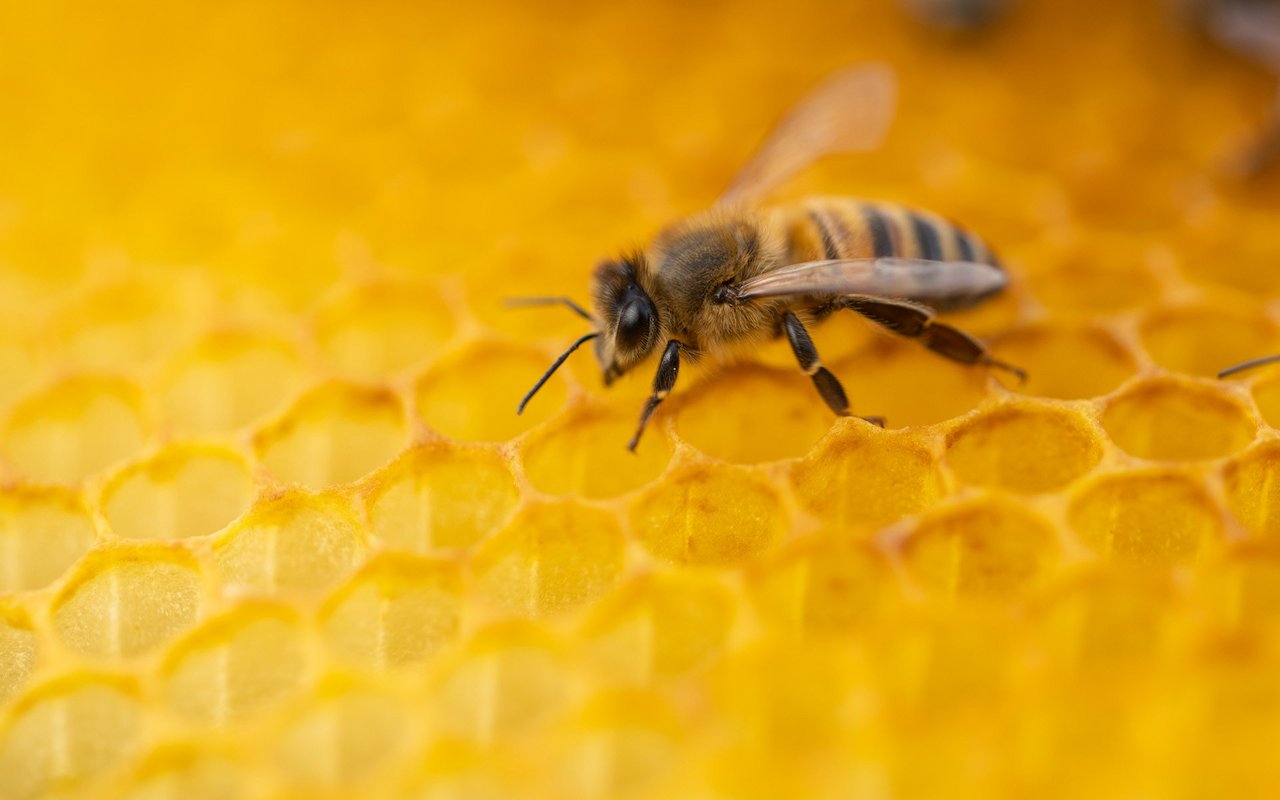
(805, 352)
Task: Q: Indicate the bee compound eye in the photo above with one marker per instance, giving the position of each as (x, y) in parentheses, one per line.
(634, 322)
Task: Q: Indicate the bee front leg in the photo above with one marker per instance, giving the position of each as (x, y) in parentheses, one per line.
(827, 384)
(663, 382)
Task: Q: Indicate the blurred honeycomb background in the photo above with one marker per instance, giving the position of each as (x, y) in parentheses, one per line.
(270, 527)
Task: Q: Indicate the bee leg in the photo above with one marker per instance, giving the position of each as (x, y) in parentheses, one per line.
(917, 322)
(663, 382)
(827, 384)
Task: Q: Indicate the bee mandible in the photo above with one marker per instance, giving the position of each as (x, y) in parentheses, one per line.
(737, 273)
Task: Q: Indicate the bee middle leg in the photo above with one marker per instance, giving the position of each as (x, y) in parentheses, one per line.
(827, 384)
(918, 322)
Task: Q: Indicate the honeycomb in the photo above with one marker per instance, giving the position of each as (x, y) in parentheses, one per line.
(270, 527)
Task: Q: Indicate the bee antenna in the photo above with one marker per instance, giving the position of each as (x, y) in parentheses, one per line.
(528, 302)
(1250, 364)
(555, 366)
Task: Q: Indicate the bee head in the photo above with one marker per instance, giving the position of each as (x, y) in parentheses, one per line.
(628, 317)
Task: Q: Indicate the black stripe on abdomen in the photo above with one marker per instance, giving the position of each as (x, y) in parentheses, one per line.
(926, 238)
(964, 245)
(829, 250)
(878, 226)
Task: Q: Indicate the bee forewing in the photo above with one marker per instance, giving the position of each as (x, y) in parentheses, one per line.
(849, 112)
(888, 277)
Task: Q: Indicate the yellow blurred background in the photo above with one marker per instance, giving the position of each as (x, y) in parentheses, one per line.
(270, 527)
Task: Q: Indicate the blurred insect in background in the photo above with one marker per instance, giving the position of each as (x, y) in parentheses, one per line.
(1248, 28)
(956, 16)
(738, 273)
(1251, 30)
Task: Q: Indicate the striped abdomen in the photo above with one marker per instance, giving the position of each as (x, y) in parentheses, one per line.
(831, 228)
(843, 228)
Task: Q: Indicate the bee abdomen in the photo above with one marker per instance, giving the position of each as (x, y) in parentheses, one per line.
(850, 229)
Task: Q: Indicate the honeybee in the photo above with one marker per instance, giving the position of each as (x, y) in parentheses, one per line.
(737, 273)
(1251, 30)
(956, 15)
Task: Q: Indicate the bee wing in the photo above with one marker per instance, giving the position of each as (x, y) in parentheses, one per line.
(916, 279)
(849, 112)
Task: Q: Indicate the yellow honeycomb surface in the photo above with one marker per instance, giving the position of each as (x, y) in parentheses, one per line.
(270, 527)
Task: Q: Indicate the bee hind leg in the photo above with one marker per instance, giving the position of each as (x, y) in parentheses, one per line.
(827, 384)
(917, 322)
